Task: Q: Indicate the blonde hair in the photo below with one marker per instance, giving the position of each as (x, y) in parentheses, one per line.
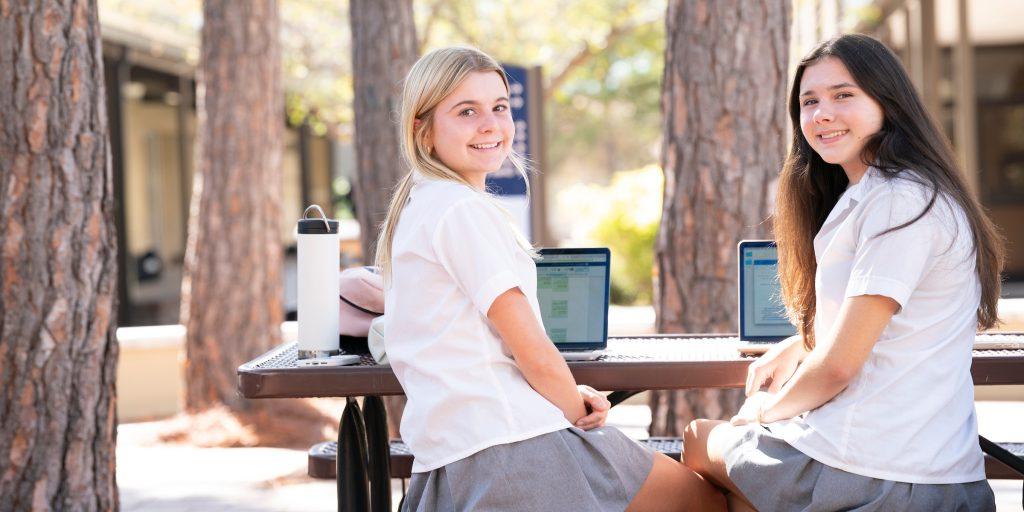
(432, 78)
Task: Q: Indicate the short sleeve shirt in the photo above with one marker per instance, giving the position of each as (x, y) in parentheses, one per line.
(454, 252)
(908, 416)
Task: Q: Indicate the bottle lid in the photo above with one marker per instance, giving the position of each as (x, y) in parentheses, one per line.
(314, 226)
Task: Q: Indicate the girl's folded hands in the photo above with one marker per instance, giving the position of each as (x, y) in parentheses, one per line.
(597, 408)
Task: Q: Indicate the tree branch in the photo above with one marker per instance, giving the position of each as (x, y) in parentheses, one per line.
(453, 18)
(587, 52)
(429, 25)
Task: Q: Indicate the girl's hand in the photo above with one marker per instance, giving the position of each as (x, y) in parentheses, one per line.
(777, 365)
(751, 410)
(597, 406)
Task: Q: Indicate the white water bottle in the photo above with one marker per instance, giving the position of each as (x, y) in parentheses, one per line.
(319, 261)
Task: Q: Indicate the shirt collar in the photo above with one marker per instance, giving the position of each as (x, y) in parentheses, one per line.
(853, 195)
(855, 192)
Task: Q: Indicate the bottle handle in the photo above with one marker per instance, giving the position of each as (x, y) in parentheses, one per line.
(322, 215)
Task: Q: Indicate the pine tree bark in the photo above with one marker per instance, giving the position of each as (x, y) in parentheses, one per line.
(723, 96)
(58, 265)
(383, 50)
(232, 290)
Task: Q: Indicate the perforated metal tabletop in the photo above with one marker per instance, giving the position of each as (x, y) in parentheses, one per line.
(629, 363)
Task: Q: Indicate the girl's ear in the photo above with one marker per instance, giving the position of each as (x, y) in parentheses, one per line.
(416, 123)
(428, 142)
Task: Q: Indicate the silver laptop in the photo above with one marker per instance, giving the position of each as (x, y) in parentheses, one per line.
(762, 318)
(572, 289)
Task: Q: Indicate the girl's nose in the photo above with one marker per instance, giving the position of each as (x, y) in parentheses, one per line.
(488, 123)
(823, 115)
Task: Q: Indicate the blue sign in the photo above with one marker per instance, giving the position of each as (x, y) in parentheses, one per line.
(507, 181)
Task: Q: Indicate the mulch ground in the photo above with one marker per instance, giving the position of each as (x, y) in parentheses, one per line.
(284, 423)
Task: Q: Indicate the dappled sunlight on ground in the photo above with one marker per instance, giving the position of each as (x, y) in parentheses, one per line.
(157, 477)
(270, 423)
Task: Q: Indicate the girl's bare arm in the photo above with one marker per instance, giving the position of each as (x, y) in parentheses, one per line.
(538, 359)
(835, 361)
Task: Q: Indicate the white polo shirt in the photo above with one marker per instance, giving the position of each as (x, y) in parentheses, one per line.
(908, 416)
(453, 253)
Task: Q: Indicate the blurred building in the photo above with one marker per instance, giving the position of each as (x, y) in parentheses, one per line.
(967, 59)
(150, 83)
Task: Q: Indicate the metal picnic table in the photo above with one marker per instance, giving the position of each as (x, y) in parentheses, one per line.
(629, 364)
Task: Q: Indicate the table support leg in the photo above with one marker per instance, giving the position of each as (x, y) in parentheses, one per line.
(617, 397)
(379, 452)
(353, 480)
(1002, 455)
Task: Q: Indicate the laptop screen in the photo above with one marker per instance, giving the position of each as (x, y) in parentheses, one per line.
(762, 315)
(572, 289)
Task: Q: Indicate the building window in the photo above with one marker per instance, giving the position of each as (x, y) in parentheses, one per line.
(1000, 85)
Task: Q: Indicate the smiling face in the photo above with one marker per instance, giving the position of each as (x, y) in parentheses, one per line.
(836, 116)
(471, 129)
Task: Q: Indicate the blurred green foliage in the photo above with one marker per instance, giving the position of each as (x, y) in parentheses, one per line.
(624, 217)
(602, 62)
(340, 189)
(316, 51)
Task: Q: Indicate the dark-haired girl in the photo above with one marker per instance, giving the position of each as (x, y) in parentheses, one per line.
(888, 267)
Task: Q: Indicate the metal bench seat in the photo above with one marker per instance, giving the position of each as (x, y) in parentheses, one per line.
(322, 458)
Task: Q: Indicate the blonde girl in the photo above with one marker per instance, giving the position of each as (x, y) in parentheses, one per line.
(494, 418)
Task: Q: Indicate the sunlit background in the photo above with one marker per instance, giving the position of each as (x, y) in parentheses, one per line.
(601, 65)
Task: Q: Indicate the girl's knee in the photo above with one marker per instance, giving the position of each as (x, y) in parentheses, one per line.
(698, 430)
(695, 438)
(689, 430)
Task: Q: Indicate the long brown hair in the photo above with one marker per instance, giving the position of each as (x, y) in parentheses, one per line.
(909, 139)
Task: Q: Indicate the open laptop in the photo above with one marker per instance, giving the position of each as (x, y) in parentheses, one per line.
(762, 317)
(572, 289)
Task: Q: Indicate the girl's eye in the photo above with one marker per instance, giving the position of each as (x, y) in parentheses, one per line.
(467, 112)
(809, 101)
(501, 108)
(843, 95)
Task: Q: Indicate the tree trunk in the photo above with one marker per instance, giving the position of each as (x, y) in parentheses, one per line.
(58, 262)
(723, 97)
(383, 50)
(232, 291)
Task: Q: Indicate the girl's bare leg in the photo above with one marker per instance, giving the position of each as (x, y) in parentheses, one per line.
(736, 504)
(673, 486)
(703, 441)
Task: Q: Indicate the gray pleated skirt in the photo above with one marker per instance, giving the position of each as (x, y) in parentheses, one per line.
(775, 476)
(566, 470)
